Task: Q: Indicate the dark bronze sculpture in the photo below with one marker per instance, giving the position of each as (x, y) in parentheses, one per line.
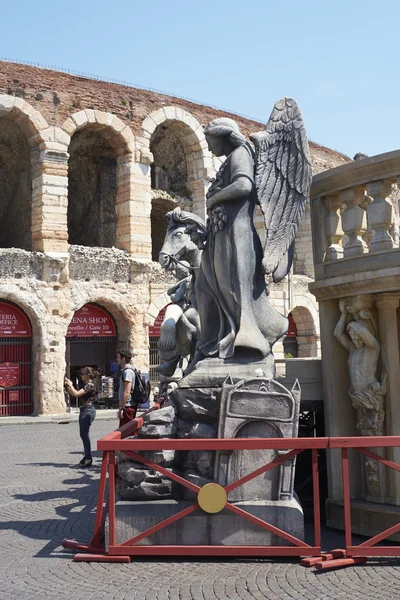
(235, 313)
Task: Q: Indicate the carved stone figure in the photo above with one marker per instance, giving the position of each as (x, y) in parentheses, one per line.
(181, 326)
(357, 332)
(235, 313)
(366, 392)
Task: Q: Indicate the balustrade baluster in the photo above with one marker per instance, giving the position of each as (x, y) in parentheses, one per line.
(333, 228)
(354, 221)
(380, 215)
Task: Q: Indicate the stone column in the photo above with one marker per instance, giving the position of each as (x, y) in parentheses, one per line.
(333, 228)
(354, 221)
(380, 215)
(50, 192)
(339, 413)
(134, 207)
(387, 313)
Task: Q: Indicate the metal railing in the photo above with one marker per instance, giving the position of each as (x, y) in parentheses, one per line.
(118, 441)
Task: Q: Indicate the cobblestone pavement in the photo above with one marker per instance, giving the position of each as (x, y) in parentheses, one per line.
(43, 500)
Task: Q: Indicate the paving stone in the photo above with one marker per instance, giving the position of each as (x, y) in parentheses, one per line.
(44, 498)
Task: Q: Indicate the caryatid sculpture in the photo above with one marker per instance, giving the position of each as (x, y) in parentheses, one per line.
(367, 393)
(357, 332)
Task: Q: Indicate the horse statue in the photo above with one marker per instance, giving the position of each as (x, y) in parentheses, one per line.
(180, 330)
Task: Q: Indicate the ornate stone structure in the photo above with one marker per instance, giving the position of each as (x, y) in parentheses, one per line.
(357, 286)
(357, 332)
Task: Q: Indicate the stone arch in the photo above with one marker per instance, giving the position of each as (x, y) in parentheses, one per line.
(305, 316)
(36, 312)
(160, 205)
(100, 153)
(119, 312)
(130, 320)
(20, 134)
(173, 132)
(155, 306)
(111, 127)
(30, 120)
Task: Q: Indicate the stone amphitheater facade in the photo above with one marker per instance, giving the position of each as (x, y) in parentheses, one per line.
(88, 170)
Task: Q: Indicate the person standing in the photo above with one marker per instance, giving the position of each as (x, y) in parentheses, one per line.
(126, 411)
(87, 411)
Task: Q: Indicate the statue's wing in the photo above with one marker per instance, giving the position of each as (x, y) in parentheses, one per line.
(282, 178)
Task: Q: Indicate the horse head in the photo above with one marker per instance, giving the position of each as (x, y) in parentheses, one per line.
(178, 245)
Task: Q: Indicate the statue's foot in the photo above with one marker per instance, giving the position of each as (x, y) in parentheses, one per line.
(197, 358)
(167, 368)
(178, 375)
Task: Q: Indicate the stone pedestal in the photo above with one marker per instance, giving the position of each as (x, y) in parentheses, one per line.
(200, 528)
(367, 518)
(212, 372)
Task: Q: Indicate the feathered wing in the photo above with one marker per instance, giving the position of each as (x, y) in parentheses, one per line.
(282, 178)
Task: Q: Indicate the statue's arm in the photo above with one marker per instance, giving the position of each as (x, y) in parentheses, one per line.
(179, 291)
(242, 179)
(339, 332)
(368, 339)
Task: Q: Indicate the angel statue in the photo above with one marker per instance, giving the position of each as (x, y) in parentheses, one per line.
(231, 292)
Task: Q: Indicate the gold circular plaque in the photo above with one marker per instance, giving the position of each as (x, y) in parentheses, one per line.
(212, 498)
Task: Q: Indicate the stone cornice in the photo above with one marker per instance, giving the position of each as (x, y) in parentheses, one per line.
(360, 172)
(373, 282)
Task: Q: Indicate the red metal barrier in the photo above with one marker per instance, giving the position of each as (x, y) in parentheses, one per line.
(121, 552)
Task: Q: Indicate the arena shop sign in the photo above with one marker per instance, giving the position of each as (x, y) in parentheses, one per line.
(13, 322)
(90, 321)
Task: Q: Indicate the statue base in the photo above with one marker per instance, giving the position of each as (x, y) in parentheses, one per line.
(200, 528)
(212, 372)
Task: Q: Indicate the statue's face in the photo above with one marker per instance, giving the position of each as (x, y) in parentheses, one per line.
(215, 144)
(355, 338)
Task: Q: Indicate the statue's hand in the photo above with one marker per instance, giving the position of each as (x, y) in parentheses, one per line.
(342, 306)
(197, 235)
(167, 339)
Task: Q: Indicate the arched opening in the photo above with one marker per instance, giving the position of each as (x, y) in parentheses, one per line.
(290, 345)
(15, 187)
(169, 171)
(154, 336)
(15, 361)
(159, 208)
(92, 190)
(92, 341)
(306, 332)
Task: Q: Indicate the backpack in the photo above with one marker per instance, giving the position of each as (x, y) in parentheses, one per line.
(140, 392)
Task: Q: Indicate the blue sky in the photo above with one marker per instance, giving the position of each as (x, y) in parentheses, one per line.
(339, 59)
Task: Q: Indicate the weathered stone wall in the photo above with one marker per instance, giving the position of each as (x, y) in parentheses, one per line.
(76, 160)
(50, 288)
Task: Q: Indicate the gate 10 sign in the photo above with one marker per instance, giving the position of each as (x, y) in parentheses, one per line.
(9, 375)
(89, 321)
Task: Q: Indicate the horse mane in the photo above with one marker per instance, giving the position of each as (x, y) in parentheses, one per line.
(184, 217)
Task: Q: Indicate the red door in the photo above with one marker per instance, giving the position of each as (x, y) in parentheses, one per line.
(15, 362)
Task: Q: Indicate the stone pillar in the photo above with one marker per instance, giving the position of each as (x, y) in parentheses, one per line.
(339, 413)
(387, 313)
(134, 207)
(333, 228)
(354, 221)
(380, 215)
(50, 192)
